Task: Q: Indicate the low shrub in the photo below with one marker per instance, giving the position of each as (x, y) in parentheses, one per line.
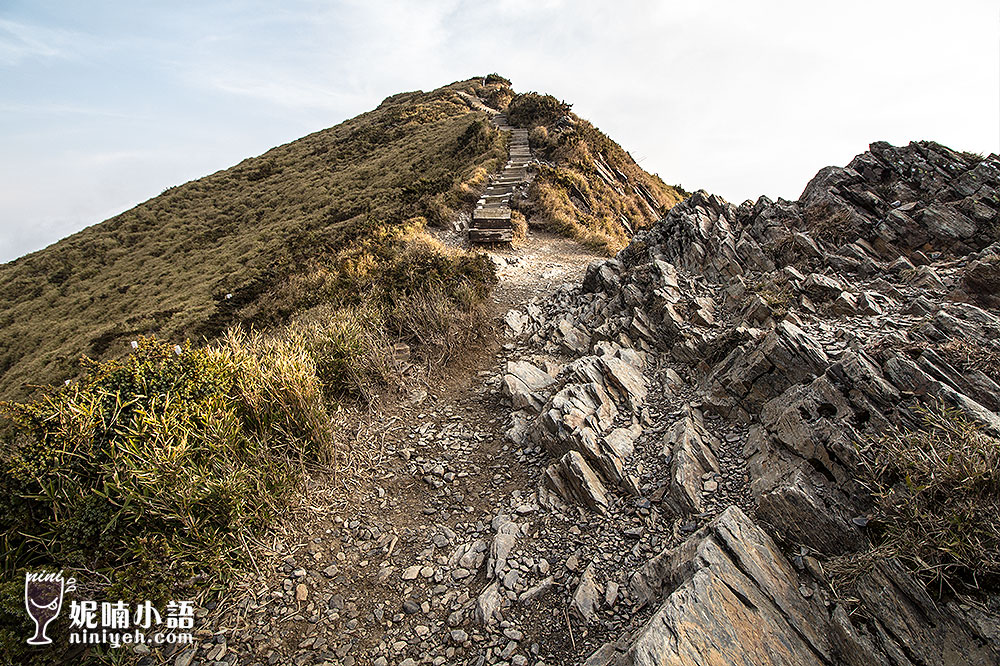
(496, 79)
(520, 224)
(968, 355)
(444, 325)
(149, 467)
(828, 223)
(937, 492)
(350, 347)
(531, 109)
(778, 296)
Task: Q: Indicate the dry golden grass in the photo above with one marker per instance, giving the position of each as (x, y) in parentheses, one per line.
(937, 490)
(586, 189)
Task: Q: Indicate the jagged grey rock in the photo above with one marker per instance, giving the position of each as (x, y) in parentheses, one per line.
(586, 598)
(575, 481)
(689, 447)
(728, 595)
(522, 383)
(488, 604)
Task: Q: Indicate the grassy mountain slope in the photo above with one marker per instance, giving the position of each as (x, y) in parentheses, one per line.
(155, 462)
(239, 245)
(587, 187)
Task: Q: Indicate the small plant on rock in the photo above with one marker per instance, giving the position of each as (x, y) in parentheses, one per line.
(937, 493)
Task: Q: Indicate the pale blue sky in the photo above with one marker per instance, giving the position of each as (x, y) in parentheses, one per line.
(105, 104)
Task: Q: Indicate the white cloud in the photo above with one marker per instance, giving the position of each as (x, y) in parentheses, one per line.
(20, 41)
(739, 98)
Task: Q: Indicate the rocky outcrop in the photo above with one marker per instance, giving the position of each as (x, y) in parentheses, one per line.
(502, 579)
(690, 450)
(754, 373)
(729, 595)
(523, 383)
(919, 197)
(981, 276)
(577, 424)
(783, 335)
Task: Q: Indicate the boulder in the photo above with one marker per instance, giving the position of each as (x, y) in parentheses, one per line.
(573, 339)
(689, 448)
(926, 277)
(575, 481)
(587, 596)
(845, 304)
(515, 322)
(602, 276)
(522, 383)
(728, 595)
(733, 599)
(981, 277)
(755, 373)
(574, 414)
(821, 287)
(488, 604)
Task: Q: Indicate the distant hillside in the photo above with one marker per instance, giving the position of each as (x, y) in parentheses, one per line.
(329, 218)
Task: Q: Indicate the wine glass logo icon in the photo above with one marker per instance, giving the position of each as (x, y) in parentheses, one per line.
(43, 596)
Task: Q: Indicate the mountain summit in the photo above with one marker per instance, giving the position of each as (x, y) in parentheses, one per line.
(335, 214)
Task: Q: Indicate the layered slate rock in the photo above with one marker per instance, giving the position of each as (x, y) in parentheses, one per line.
(492, 599)
(789, 335)
(523, 383)
(577, 424)
(753, 373)
(729, 596)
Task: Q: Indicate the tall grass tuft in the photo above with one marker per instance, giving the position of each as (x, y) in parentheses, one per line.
(150, 468)
(350, 347)
(937, 490)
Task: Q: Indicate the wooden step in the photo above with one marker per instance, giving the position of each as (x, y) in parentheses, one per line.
(491, 221)
(491, 235)
(500, 213)
(491, 224)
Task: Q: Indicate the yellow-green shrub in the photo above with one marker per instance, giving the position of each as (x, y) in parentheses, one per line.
(350, 347)
(149, 467)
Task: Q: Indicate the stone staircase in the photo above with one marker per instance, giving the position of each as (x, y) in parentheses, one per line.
(491, 218)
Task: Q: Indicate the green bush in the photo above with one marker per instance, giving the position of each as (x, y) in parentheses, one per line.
(530, 110)
(149, 467)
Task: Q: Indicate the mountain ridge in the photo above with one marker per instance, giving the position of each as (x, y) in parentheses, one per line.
(241, 246)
